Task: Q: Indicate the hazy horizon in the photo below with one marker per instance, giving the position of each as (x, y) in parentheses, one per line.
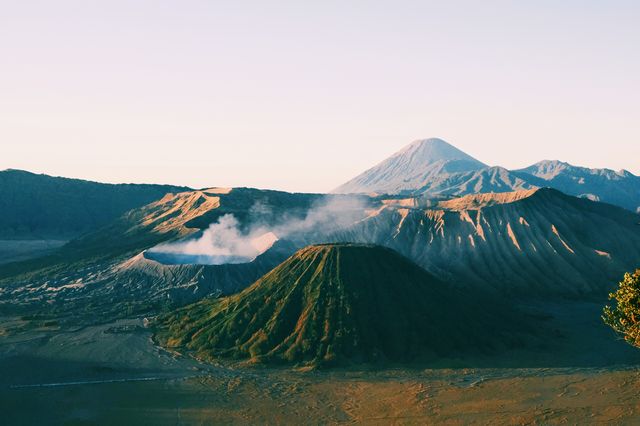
(236, 186)
(303, 97)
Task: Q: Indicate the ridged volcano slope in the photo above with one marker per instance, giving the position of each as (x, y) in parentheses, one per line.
(528, 243)
(338, 303)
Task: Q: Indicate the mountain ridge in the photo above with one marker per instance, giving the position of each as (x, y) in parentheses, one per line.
(42, 206)
(442, 175)
(538, 243)
(621, 187)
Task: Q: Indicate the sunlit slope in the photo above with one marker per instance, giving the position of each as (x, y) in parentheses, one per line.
(136, 230)
(339, 303)
(107, 269)
(172, 217)
(536, 242)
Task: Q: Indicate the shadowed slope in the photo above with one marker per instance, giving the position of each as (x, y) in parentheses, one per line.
(48, 207)
(334, 304)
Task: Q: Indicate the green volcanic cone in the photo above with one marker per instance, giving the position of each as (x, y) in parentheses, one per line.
(339, 303)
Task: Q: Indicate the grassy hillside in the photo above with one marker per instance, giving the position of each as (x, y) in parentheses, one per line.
(340, 303)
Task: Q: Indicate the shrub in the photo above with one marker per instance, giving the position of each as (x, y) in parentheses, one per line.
(624, 318)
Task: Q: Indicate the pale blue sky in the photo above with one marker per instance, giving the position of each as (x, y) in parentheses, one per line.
(301, 95)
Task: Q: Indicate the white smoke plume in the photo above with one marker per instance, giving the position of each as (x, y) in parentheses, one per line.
(222, 239)
(225, 242)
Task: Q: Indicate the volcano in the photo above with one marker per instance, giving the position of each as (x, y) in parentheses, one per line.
(336, 304)
(436, 169)
(411, 168)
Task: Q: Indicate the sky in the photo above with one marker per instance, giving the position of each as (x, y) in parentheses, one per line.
(302, 96)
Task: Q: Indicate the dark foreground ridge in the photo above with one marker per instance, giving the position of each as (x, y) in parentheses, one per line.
(340, 304)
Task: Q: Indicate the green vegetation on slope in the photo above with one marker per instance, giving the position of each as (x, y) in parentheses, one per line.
(624, 318)
(339, 303)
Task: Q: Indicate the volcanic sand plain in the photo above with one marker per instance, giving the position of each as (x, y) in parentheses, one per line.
(113, 373)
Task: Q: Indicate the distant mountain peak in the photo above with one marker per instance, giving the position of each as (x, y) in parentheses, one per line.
(553, 163)
(433, 150)
(434, 168)
(549, 169)
(620, 187)
(411, 167)
(429, 142)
